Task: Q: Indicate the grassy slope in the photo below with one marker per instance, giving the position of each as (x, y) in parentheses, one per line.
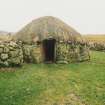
(83, 83)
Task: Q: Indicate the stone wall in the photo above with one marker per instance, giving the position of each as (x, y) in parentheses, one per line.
(97, 46)
(84, 53)
(32, 53)
(16, 53)
(11, 54)
(69, 52)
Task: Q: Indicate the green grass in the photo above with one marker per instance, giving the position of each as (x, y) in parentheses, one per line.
(51, 84)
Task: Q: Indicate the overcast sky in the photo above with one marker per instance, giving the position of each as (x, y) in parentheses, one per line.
(86, 16)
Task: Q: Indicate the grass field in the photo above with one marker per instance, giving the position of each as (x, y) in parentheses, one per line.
(51, 84)
(5, 37)
(95, 38)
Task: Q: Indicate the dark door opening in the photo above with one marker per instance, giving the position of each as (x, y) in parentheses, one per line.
(49, 50)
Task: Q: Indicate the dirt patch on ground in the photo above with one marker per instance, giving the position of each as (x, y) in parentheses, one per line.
(71, 99)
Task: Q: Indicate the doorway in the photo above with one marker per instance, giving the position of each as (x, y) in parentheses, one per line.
(49, 50)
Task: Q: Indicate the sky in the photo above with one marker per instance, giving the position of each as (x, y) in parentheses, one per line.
(86, 16)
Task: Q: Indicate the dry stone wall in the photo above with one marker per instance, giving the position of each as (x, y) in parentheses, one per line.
(84, 53)
(32, 53)
(70, 52)
(11, 54)
(97, 46)
(16, 53)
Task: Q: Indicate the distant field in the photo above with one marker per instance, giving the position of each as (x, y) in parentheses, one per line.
(95, 38)
(5, 37)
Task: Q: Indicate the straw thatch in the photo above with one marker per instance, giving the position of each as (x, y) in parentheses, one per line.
(47, 27)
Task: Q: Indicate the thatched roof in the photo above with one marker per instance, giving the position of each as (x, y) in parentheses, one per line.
(47, 27)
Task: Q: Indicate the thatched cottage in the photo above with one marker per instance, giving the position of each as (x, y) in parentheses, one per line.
(48, 39)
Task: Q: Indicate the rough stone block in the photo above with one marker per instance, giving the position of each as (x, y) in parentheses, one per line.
(4, 56)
